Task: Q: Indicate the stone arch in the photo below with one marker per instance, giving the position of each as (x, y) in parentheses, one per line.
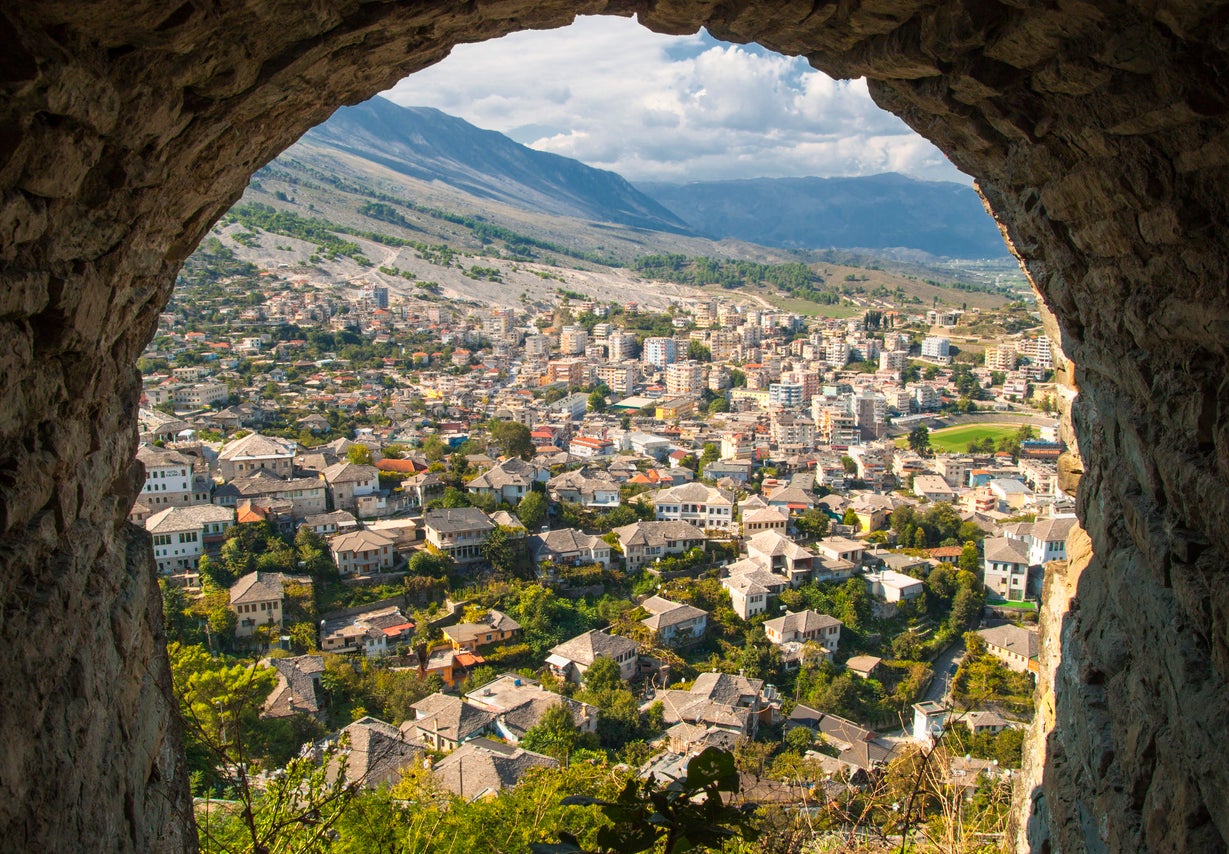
(1097, 132)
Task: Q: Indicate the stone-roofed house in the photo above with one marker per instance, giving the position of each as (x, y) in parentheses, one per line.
(482, 768)
(458, 532)
(1006, 567)
(508, 481)
(570, 659)
(377, 753)
(444, 722)
(328, 524)
(778, 553)
(362, 552)
(751, 585)
(861, 750)
(519, 704)
(706, 507)
(306, 496)
(722, 700)
(257, 598)
(495, 627)
(1015, 646)
(182, 534)
(645, 542)
(570, 547)
(373, 631)
(254, 452)
(587, 487)
(802, 626)
(765, 519)
(298, 690)
(672, 622)
(346, 482)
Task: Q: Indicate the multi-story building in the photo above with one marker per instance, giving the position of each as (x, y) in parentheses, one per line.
(620, 346)
(170, 480)
(1006, 567)
(893, 360)
(792, 431)
(573, 340)
(935, 348)
(570, 372)
(704, 506)
(869, 411)
(787, 394)
(182, 534)
(659, 352)
(1001, 358)
(1037, 351)
(199, 395)
(254, 452)
(536, 346)
(458, 532)
(620, 378)
(685, 379)
(362, 553)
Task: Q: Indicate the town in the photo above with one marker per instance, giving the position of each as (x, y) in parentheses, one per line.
(468, 542)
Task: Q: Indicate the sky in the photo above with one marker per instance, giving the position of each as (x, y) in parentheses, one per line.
(652, 107)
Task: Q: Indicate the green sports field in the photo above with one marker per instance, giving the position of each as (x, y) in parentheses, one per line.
(956, 439)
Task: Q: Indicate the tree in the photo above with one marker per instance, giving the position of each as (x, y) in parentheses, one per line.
(359, 455)
(919, 440)
(597, 401)
(531, 510)
(697, 352)
(851, 518)
(512, 437)
(603, 675)
(555, 734)
(719, 404)
(850, 465)
(813, 523)
(500, 549)
(969, 559)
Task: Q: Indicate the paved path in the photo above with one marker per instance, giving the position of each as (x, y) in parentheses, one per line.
(943, 664)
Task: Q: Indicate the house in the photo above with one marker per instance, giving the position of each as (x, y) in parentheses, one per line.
(791, 499)
(645, 542)
(444, 722)
(170, 479)
(570, 547)
(892, 586)
(983, 720)
(298, 690)
(706, 507)
(362, 553)
(495, 627)
(346, 482)
(256, 600)
(1015, 646)
(674, 623)
(1046, 539)
(723, 700)
(304, 496)
(1011, 495)
(519, 703)
(182, 534)
(482, 768)
(328, 524)
(841, 548)
(570, 659)
(751, 585)
(778, 553)
(932, 488)
(767, 519)
(373, 631)
(458, 532)
(859, 749)
(254, 452)
(586, 487)
(1006, 568)
(376, 753)
(864, 666)
(508, 481)
(803, 626)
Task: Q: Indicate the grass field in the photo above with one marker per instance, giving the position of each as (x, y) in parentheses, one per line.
(956, 439)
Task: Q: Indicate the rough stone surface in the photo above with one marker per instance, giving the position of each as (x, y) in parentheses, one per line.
(1097, 132)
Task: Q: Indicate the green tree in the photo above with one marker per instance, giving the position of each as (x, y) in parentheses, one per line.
(501, 550)
(919, 440)
(359, 455)
(721, 403)
(969, 559)
(428, 564)
(512, 437)
(850, 465)
(603, 675)
(532, 509)
(597, 401)
(813, 523)
(555, 734)
(851, 518)
(697, 352)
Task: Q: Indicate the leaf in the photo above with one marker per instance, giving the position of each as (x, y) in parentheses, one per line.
(712, 766)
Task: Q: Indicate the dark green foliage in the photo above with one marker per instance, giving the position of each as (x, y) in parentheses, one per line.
(686, 814)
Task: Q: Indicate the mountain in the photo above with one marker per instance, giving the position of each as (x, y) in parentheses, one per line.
(428, 145)
(877, 212)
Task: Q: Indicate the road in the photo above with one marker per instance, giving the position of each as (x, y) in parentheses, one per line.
(943, 677)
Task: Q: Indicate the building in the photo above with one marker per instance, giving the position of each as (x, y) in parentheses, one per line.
(346, 482)
(786, 395)
(659, 352)
(372, 630)
(892, 586)
(723, 700)
(508, 481)
(569, 547)
(256, 599)
(1001, 358)
(444, 722)
(803, 626)
(684, 379)
(937, 349)
(1015, 646)
(519, 703)
(254, 452)
(182, 534)
(494, 627)
(643, 543)
(673, 623)
(170, 479)
(1006, 568)
(458, 532)
(362, 553)
(706, 507)
(482, 768)
(570, 659)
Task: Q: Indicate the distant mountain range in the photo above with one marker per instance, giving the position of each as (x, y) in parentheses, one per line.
(872, 213)
(429, 145)
(876, 212)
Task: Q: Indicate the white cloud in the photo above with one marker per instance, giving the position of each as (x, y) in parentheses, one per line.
(652, 107)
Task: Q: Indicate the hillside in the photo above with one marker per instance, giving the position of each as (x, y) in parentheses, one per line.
(429, 145)
(876, 212)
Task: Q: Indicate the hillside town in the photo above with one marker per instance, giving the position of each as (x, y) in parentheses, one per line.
(500, 540)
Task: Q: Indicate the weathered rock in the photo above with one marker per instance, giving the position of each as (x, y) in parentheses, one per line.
(1097, 131)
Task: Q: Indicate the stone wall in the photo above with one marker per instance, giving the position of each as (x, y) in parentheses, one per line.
(1098, 135)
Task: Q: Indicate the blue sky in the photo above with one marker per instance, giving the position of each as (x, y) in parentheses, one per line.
(616, 96)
